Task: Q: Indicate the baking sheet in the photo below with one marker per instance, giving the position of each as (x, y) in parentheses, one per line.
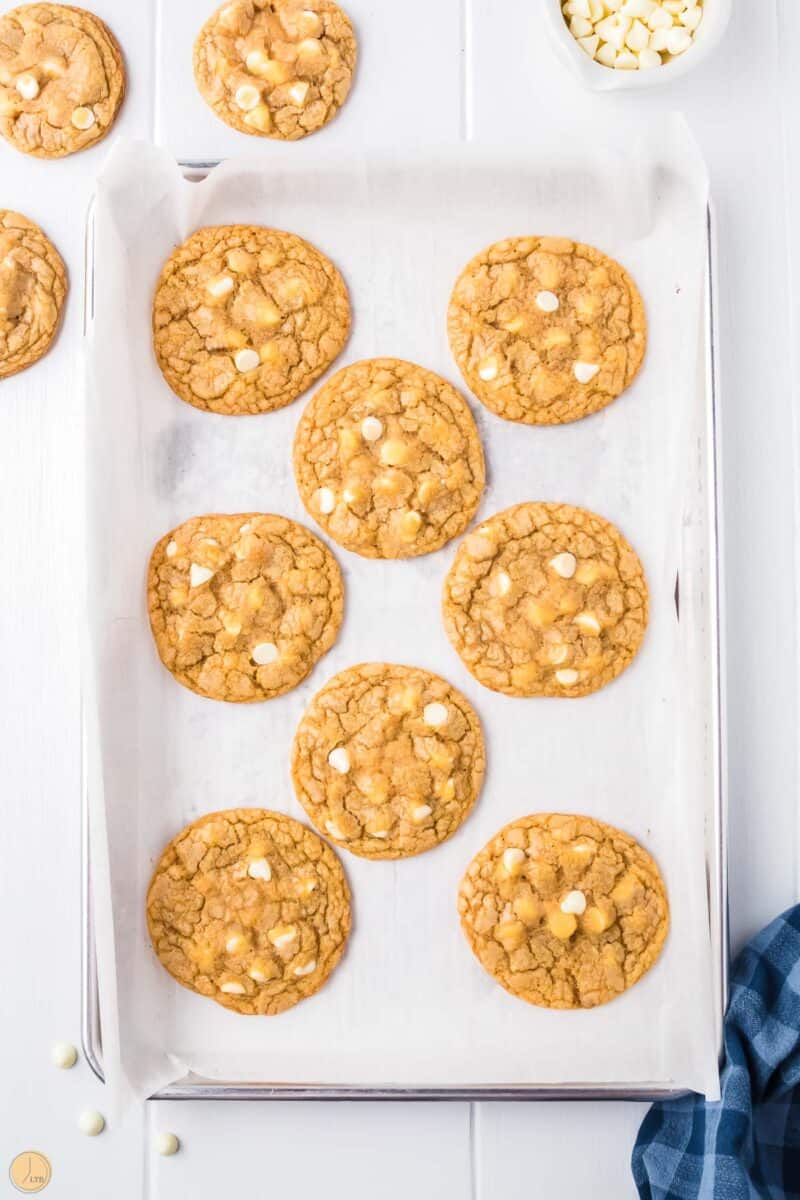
(409, 1004)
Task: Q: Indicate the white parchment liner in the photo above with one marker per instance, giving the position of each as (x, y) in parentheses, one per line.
(409, 1004)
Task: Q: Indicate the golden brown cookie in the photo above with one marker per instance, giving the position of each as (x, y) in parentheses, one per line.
(62, 79)
(276, 68)
(246, 318)
(546, 330)
(388, 460)
(545, 600)
(33, 286)
(242, 606)
(387, 760)
(564, 911)
(250, 908)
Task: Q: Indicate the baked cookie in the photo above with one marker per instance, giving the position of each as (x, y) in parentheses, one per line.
(33, 286)
(250, 908)
(246, 318)
(545, 600)
(546, 330)
(276, 68)
(62, 79)
(388, 760)
(242, 607)
(563, 911)
(388, 460)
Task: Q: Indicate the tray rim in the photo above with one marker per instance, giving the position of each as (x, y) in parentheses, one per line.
(197, 1088)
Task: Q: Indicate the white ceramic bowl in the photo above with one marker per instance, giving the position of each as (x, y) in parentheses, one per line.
(593, 75)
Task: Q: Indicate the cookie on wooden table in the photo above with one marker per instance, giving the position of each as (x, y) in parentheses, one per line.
(545, 330)
(246, 318)
(249, 908)
(62, 79)
(388, 760)
(33, 286)
(564, 911)
(545, 600)
(242, 606)
(276, 68)
(388, 460)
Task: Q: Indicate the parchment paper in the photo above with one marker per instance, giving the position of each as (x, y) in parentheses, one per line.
(409, 1003)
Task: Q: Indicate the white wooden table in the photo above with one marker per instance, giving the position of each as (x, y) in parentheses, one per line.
(742, 106)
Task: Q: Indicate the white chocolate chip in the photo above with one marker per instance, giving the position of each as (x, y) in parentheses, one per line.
(488, 369)
(587, 622)
(574, 902)
(260, 869)
(246, 360)
(606, 55)
(83, 118)
(339, 759)
(264, 653)
(256, 61)
(298, 92)
(513, 859)
(199, 575)
(547, 301)
(502, 583)
(91, 1122)
(220, 285)
(589, 44)
(613, 30)
(307, 969)
(326, 500)
(637, 37)
(434, 714)
(64, 1055)
(335, 832)
(659, 19)
(626, 60)
(421, 813)
(247, 96)
(371, 429)
(584, 372)
(27, 87)
(235, 943)
(172, 549)
(232, 988)
(580, 27)
(282, 935)
(567, 677)
(678, 40)
(167, 1144)
(246, 528)
(691, 18)
(649, 58)
(257, 975)
(564, 564)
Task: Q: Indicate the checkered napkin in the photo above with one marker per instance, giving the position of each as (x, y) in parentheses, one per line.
(745, 1146)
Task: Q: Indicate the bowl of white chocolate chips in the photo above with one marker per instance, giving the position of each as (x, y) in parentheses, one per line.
(636, 43)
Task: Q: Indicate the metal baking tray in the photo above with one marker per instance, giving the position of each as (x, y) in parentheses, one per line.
(193, 1087)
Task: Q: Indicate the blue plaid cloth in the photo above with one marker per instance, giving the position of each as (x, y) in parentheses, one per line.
(745, 1146)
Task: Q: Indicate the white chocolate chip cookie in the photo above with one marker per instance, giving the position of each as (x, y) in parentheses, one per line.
(276, 68)
(246, 318)
(33, 287)
(545, 330)
(62, 79)
(564, 911)
(257, 942)
(243, 606)
(545, 600)
(388, 760)
(388, 460)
